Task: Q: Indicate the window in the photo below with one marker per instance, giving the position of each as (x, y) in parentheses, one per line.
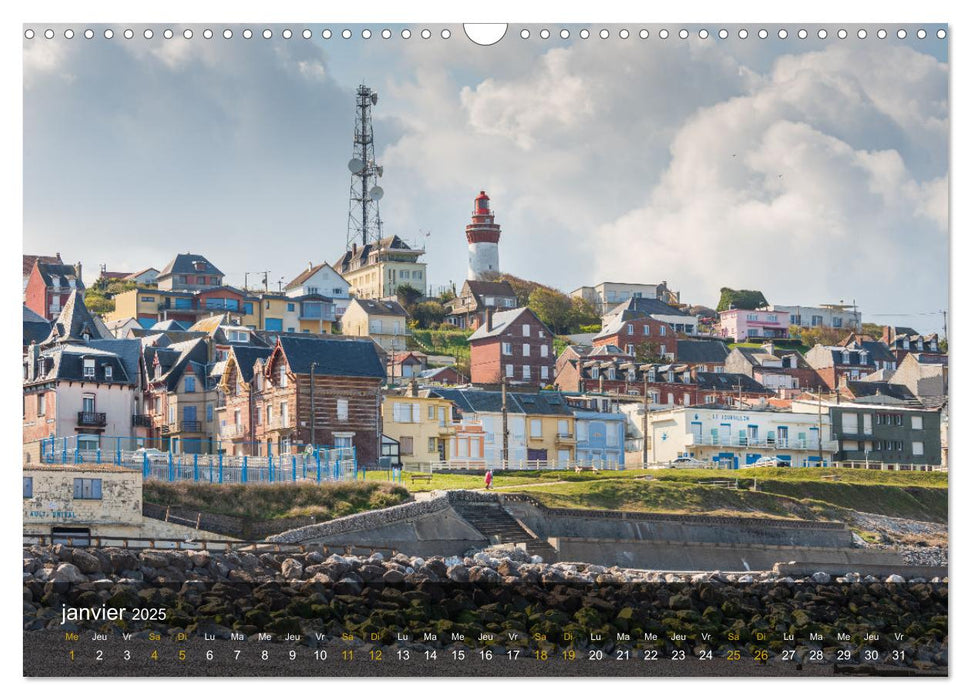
(417, 274)
(248, 308)
(594, 372)
(526, 372)
(544, 351)
(432, 445)
(535, 428)
(525, 330)
(109, 372)
(507, 348)
(269, 415)
(284, 414)
(291, 330)
(236, 417)
(342, 410)
(751, 317)
(541, 334)
(404, 274)
(525, 349)
(431, 413)
(709, 398)
(148, 300)
(544, 372)
(509, 371)
(630, 329)
(630, 349)
(562, 427)
(646, 330)
(837, 322)
(916, 422)
(489, 301)
(917, 448)
(28, 487)
(817, 321)
(41, 404)
(663, 330)
(89, 369)
(291, 307)
(209, 412)
(898, 419)
(850, 423)
(273, 324)
(281, 377)
(87, 489)
(190, 385)
(338, 291)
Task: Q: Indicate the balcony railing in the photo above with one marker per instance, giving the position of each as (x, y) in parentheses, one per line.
(784, 444)
(91, 419)
(279, 423)
(141, 420)
(191, 426)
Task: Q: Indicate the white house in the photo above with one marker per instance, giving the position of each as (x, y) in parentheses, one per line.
(324, 280)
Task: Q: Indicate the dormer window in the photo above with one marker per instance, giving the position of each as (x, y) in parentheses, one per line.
(905, 343)
(109, 371)
(611, 374)
(631, 375)
(89, 369)
(846, 357)
(282, 377)
(594, 372)
(651, 376)
(670, 375)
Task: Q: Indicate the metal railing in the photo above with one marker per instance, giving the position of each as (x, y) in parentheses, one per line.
(141, 420)
(783, 444)
(92, 419)
(517, 465)
(191, 426)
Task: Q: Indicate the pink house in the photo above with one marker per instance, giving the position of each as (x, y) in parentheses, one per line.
(746, 324)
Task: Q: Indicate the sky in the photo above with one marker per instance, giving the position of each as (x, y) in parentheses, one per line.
(813, 169)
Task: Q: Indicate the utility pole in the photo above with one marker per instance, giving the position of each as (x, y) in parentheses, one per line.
(819, 429)
(313, 407)
(505, 426)
(644, 424)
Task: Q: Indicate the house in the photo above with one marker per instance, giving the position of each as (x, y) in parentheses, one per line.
(746, 325)
(31, 260)
(304, 313)
(421, 423)
(477, 299)
(925, 375)
(606, 296)
(406, 365)
(891, 434)
(513, 346)
(834, 362)
(376, 270)
(154, 304)
(187, 272)
(870, 390)
(838, 316)
(902, 340)
(383, 320)
(541, 426)
(308, 390)
(179, 397)
(734, 437)
(442, 375)
(777, 368)
(568, 365)
(600, 432)
(637, 334)
(79, 383)
(36, 328)
(321, 280)
(148, 276)
(638, 307)
(49, 286)
(121, 328)
(707, 355)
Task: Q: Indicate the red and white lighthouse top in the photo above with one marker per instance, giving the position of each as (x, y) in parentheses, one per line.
(483, 228)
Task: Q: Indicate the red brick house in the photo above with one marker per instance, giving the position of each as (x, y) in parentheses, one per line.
(269, 408)
(778, 368)
(512, 345)
(476, 299)
(643, 336)
(49, 286)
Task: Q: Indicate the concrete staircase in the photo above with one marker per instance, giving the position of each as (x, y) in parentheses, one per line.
(499, 527)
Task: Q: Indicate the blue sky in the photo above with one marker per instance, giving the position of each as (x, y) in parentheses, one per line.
(815, 170)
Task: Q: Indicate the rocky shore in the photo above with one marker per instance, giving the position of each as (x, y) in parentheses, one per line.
(314, 596)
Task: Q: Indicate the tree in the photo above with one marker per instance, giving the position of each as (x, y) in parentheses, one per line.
(819, 334)
(648, 351)
(741, 299)
(874, 330)
(427, 314)
(582, 314)
(408, 296)
(552, 307)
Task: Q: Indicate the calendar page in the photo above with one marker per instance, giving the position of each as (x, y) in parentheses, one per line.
(526, 350)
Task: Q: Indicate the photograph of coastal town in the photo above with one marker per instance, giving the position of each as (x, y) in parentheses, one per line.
(394, 350)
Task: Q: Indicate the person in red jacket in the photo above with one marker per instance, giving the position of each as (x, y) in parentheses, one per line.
(488, 479)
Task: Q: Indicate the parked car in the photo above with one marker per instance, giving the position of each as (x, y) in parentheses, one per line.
(689, 462)
(154, 456)
(770, 462)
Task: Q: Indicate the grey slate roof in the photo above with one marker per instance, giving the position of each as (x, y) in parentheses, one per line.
(74, 322)
(380, 307)
(67, 362)
(246, 357)
(703, 351)
(650, 307)
(336, 358)
(184, 264)
(476, 401)
(501, 322)
(31, 316)
(56, 275)
(728, 381)
(128, 350)
(872, 389)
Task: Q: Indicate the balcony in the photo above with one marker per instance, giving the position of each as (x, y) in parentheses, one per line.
(90, 419)
(233, 430)
(278, 424)
(566, 438)
(763, 443)
(141, 420)
(190, 426)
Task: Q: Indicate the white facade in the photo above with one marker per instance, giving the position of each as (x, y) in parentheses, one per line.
(607, 295)
(483, 259)
(327, 282)
(735, 438)
(116, 401)
(835, 316)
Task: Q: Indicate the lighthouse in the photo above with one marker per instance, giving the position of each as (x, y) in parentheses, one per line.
(483, 237)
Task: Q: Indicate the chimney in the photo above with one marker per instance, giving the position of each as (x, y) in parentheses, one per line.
(310, 264)
(769, 347)
(354, 248)
(413, 388)
(77, 271)
(488, 321)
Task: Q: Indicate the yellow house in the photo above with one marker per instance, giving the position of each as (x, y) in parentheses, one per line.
(138, 303)
(308, 313)
(384, 321)
(421, 424)
(376, 270)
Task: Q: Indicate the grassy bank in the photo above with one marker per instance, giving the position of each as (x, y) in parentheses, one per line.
(265, 502)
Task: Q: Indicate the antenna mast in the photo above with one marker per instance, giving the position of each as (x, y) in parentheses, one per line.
(363, 214)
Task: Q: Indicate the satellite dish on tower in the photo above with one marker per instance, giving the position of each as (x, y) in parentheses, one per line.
(376, 193)
(374, 98)
(355, 165)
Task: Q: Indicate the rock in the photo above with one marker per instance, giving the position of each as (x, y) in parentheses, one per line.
(291, 569)
(86, 562)
(821, 577)
(393, 576)
(536, 559)
(458, 573)
(894, 578)
(154, 559)
(68, 573)
(449, 561)
(746, 578)
(199, 558)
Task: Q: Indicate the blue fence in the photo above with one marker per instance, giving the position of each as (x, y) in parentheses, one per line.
(311, 464)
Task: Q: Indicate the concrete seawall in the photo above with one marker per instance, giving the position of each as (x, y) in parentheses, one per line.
(635, 540)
